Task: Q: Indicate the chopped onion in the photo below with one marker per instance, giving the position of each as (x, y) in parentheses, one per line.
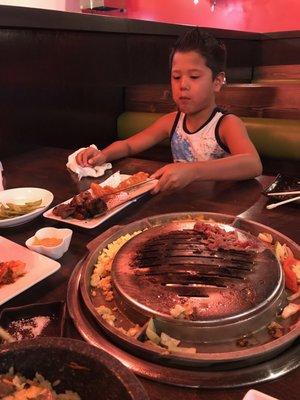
(168, 341)
(294, 296)
(266, 237)
(290, 310)
(151, 332)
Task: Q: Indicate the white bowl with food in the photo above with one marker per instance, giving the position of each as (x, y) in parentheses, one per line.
(21, 205)
(52, 242)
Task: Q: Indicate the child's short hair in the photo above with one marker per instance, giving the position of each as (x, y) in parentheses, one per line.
(206, 45)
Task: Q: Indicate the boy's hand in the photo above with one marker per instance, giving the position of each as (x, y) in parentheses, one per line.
(173, 177)
(90, 157)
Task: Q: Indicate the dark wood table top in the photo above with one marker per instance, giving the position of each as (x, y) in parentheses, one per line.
(45, 168)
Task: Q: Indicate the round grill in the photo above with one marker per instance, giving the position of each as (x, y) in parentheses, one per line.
(169, 265)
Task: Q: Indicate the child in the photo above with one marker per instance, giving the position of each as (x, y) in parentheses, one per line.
(207, 143)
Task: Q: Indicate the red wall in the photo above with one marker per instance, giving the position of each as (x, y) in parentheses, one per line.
(244, 15)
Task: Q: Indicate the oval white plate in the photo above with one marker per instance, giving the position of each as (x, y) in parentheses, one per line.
(90, 223)
(21, 196)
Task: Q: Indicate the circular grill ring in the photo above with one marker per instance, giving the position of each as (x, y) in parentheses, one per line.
(92, 331)
(274, 368)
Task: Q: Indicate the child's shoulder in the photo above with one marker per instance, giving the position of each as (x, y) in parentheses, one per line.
(229, 119)
(168, 119)
(231, 125)
(170, 116)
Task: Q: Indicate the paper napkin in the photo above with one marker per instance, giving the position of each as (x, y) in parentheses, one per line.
(96, 171)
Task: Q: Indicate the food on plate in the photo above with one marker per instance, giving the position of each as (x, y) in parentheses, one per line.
(83, 205)
(10, 271)
(101, 191)
(98, 200)
(17, 387)
(12, 210)
(48, 241)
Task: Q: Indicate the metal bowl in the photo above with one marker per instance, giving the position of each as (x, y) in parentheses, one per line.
(78, 366)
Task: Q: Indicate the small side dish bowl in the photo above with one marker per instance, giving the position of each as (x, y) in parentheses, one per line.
(57, 244)
(34, 320)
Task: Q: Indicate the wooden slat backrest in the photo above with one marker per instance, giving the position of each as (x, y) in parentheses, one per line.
(252, 100)
(277, 74)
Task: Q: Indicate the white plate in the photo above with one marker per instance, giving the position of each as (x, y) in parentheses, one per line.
(113, 181)
(38, 267)
(21, 196)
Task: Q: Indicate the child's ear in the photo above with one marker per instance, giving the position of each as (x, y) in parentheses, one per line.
(219, 81)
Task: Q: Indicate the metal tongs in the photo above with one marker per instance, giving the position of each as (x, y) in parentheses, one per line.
(129, 188)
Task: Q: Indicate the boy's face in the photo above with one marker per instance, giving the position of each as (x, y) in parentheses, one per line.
(193, 86)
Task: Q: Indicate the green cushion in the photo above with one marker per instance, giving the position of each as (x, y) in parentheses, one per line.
(131, 122)
(277, 138)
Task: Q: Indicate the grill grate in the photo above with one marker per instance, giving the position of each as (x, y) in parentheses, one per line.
(181, 260)
(165, 266)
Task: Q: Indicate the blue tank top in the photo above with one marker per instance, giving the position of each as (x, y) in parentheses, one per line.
(202, 145)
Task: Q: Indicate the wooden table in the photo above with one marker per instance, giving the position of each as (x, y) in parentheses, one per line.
(45, 168)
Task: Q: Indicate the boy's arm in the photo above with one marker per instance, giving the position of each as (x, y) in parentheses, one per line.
(244, 161)
(143, 140)
(139, 142)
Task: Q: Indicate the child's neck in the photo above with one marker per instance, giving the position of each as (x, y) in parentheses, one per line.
(193, 121)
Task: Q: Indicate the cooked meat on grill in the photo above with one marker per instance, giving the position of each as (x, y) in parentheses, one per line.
(82, 206)
(218, 238)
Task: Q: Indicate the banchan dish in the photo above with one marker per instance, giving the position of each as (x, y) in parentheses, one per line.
(34, 320)
(77, 366)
